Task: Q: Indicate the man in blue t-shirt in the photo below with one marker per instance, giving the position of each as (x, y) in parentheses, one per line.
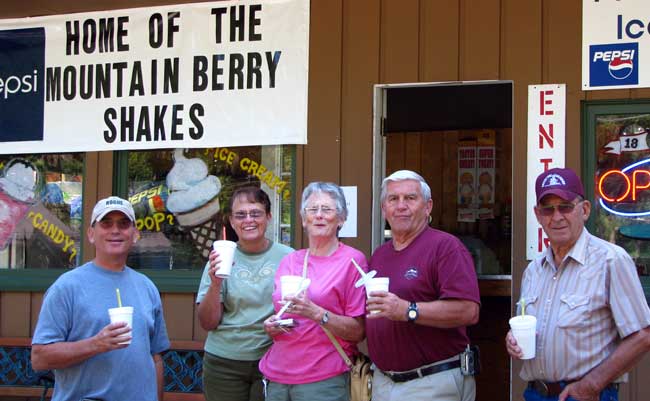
(417, 334)
(91, 357)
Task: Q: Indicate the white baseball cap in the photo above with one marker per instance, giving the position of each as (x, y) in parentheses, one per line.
(112, 204)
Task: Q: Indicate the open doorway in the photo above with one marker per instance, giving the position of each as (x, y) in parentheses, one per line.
(458, 136)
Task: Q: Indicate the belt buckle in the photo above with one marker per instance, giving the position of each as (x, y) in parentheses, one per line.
(541, 388)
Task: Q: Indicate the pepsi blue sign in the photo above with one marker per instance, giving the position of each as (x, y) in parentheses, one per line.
(614, 64)
(22, 62)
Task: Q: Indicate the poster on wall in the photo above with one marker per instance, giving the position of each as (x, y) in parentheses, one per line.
(615, 44)
(467, 182)
(546, 150)
(485, 173)
(226, 73)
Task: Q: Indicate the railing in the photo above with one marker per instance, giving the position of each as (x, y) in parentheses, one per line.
(182, 369)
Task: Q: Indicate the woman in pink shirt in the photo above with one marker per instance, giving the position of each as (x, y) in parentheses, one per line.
(302, 364)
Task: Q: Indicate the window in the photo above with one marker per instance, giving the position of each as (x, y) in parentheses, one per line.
(41, 211)
(181, 199)
(616, 156)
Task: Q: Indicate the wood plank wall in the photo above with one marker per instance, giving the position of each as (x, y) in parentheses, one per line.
(357, 43)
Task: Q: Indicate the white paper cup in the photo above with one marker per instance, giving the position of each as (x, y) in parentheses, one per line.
(289, 285)
(226, 251)
(376, 284)
(523, 329)
(123, 314)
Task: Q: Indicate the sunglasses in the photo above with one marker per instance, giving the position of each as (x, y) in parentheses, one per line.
(122, 224)
(254, 214)
(563, 208)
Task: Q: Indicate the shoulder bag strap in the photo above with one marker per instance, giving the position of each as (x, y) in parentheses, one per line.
(334, 341)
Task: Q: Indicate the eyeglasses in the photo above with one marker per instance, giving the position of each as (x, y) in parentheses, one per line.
(254, 214)
(563, 208)
(122, 224)
(325, 210)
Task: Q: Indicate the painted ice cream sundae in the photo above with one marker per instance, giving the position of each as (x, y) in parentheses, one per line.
(19, 190)
(193, 199)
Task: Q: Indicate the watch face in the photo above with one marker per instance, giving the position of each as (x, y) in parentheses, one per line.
(413, 314)
(325, 318)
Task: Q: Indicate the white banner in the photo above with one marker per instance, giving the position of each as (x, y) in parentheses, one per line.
(225, 73)
(546, 148)
(615, 44)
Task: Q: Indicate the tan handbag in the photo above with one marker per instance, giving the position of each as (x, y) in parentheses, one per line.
(360, 373)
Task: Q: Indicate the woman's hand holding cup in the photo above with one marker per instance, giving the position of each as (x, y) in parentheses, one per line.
(215, 262)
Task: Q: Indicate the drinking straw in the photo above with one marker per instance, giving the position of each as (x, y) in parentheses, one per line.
(522, 302)
(119, 300)
(361, 272)
(223, 232)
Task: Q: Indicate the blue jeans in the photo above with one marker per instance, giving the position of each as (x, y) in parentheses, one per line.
(609, 394)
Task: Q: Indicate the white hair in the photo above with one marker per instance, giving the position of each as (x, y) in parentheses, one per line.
(403, 175)
(331, 189)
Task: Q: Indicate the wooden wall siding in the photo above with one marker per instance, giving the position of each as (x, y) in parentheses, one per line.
(323, 155)
(479, 39)
(179, 318)
(15, 314)
(439, 40)
(360, 71)
(35, 310)
(399, 41)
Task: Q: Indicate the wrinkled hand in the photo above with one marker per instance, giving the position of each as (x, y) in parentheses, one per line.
(581, 391)
(301, 305)
(389, 305)
(110, 337)
(272, 329)
(511, 346)
(215, 263)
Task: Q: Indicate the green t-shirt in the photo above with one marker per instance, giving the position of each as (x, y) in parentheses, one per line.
(247, 301)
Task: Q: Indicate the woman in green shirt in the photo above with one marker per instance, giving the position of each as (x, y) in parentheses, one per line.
(233, 309)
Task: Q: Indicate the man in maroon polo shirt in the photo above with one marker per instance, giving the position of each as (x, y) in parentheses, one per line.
(416, 338)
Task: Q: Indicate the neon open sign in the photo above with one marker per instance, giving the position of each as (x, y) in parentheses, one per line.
(629, 182)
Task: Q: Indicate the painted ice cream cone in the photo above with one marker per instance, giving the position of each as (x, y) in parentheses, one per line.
(204, 236)
(194, 199)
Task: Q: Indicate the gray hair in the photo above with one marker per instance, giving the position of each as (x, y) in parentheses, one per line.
(403, 175)
(329, 188)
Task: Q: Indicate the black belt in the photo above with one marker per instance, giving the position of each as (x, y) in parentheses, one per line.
(547, 389)
(421, 372)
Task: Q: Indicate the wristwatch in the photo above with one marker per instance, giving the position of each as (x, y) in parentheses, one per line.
(412, 312)
(325, 318)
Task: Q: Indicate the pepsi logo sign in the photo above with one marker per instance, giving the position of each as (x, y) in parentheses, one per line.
(620, 69)
(614, 64)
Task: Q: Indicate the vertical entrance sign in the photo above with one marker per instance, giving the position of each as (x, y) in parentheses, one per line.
(546, 148)
(225, 73)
